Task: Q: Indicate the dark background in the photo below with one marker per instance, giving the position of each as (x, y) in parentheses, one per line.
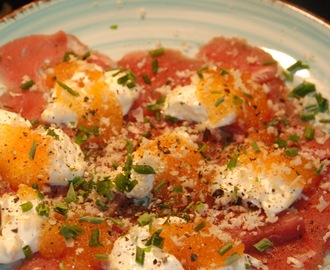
(321, 8)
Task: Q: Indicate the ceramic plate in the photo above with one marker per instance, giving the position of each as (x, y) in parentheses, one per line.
(286, 32)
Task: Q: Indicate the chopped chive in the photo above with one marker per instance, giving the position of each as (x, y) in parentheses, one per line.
(146, 79)
(307, 116)
(291, 152)
(223, 72)
(297, 66)
(235, 196)
(263, 245)
(161, 100)
(247, 94)
(124, 184)
(101, 256)
(160, 185)
(157, 52)
(219, 101)
(27, 252)
(293, 138)
(61, 208)
(33, 149)
(309, 132)
(27, 85)
(26, 206)
(52, 133)
(178, 189)
(123, 80)
(128, 165)
(156, 240)
(145, 219)
(95, 239)
(101, 205)
(43, 210)
(237, 100)
(139, 255)
(115, 165)
(85, 55)
(200, 71)
(199, 206)
(71, 195)
(323, 104)
(285, 122)
(34, 122)
(146, 134)
(199, 226)
(268, 63)
(61, 266)
(129, 146)
(68, 89)
(114, 27)
(155, 66)
(272, 123)
(281, 143)
(143, 169)
(80, 139)
(255, 147)
(104, 187)
(93, 220)
(232, 258)
(303, 89)
(71, 231)
(171, 118)
(319, 169)
(153, 107)
(232, 162)
(202, 148)
(225, 248)
(117, 222)
(67, 56)
(324, 121)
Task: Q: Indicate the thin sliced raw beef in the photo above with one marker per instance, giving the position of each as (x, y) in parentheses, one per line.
(174, 69)
(28, 58)
(238, 54)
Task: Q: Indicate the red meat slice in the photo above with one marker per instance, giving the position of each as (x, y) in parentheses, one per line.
(238, 54)
(30, 56)
(173, 69)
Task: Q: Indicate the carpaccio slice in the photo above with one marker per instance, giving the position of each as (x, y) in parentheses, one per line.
(300, 234)
(27, 59)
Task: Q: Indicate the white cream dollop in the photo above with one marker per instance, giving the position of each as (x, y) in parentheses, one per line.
(125, 95)
(18, 228)
(67, 159)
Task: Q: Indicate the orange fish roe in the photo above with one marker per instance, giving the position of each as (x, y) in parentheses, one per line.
(195, 246)
(95, 106)
(180, 179)
(76, 253)
(227, 92)
(297, 173)
(24, 156)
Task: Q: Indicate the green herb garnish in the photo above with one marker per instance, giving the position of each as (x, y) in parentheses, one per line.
(26, 206)
(71, 231)
(27, 85)
(27, 252)
(68, 89)
(33, 150)
(263, 245)
(95, 239)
